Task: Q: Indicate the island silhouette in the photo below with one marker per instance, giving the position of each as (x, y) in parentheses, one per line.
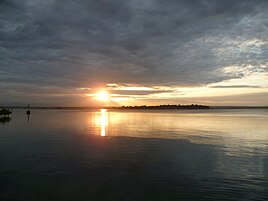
(192, 106)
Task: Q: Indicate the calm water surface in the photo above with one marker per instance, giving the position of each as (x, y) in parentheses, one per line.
(134, 155)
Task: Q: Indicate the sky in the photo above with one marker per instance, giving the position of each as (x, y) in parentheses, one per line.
(133, 52)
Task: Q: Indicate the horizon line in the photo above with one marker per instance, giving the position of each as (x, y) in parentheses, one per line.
(129, 106)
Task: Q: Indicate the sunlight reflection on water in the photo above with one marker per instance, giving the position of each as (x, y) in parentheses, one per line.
(103, 122)
(200, 127)
(135, 155)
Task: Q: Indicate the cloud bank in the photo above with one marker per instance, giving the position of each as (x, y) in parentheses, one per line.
(62, 45)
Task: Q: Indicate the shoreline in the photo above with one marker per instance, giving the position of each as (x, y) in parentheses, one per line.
(138, 108)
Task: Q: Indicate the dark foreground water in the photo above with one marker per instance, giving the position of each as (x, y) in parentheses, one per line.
(134, 156)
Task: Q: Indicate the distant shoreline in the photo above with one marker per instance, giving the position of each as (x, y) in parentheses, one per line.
(159, 107)
(166, 107)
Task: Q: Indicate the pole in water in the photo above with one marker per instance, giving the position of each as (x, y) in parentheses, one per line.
(28, 111)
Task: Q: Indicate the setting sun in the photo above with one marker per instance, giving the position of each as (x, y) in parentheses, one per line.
(103, 96)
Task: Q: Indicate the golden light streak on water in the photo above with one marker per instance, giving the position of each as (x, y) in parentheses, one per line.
(103, 122)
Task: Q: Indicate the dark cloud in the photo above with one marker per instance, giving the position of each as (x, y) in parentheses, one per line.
(86, 43)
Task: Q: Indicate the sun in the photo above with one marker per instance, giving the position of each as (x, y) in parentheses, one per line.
(103, 96)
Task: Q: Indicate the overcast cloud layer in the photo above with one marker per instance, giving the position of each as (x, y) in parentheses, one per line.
(58, 45)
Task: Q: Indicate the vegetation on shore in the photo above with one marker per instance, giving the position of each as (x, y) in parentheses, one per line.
(164, 107)
(5, 112)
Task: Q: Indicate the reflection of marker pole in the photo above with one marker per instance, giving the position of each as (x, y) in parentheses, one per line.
(28, 118)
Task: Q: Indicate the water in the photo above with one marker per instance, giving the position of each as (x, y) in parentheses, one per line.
(134, 155)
